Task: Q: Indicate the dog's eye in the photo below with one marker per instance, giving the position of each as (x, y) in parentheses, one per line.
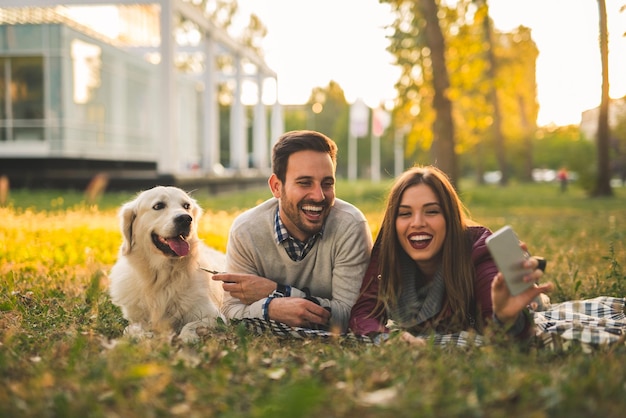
(158, 206)
(186, 206)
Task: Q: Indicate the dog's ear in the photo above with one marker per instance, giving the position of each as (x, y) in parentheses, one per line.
(196, 210)
(128, 214)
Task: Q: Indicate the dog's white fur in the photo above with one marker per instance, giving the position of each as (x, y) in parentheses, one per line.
(159, 290)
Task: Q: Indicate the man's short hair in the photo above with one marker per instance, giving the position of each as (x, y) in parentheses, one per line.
(302, 140)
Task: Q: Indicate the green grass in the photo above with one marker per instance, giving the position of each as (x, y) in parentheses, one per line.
(61, 354)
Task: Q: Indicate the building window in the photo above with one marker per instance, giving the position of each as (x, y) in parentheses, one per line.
(21, 98)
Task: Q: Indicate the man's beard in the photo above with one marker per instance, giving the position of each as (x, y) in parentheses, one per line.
(297, 217)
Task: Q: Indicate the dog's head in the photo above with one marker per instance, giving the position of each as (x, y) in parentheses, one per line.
(162, 220)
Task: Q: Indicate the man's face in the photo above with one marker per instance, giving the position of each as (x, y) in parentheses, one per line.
(307, 194)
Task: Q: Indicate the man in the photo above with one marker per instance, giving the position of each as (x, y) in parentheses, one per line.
(299, 257)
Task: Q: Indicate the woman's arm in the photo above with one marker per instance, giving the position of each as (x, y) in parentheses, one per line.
(363, 319)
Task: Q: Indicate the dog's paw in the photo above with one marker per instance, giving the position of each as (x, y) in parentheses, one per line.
(138, 332)
(193, 331)
(188, 334)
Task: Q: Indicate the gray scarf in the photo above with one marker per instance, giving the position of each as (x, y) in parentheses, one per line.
(418, 300)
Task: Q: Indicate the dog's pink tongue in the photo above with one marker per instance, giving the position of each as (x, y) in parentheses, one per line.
(179, 246)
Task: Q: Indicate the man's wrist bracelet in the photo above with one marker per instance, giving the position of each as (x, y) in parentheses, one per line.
(266, 308)
(497, 321)
(282, 291)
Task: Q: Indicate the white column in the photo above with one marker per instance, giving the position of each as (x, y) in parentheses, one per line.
(211, 120)
(238, 141)
(259, 133)
(167, 162)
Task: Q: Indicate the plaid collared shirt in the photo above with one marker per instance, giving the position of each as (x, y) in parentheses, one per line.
(295, 248)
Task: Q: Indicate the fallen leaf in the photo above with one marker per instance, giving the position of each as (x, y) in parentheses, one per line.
(379, 397)
(276, 374)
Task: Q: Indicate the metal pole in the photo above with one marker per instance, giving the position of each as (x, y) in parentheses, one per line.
(352, 156)
(375, 166)
(398, 154)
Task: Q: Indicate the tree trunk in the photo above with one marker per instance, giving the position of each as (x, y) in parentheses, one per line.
(496, 127)
(479, 158)
(528, 140)
(603, 181)
(443, 128)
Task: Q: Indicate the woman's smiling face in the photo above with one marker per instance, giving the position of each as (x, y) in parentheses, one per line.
(421, 227)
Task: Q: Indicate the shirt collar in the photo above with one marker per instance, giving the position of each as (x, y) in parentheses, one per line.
(281, 233)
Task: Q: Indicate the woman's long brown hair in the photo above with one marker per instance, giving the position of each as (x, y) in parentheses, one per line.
(457, 268)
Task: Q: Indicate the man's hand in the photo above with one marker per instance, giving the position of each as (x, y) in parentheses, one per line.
(248, 288)
(297, 312)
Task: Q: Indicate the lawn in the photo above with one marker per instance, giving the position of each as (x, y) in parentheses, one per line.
(62, 355)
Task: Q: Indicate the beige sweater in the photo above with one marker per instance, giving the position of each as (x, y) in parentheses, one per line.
(332, 270)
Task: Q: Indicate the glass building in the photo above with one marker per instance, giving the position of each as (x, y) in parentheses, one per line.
(124, 87)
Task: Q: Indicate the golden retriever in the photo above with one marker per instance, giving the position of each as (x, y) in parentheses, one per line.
(157, 281)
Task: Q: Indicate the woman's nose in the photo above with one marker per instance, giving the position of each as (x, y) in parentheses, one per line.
(417, 220)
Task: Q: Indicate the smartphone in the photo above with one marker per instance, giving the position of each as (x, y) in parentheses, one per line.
(505, 249)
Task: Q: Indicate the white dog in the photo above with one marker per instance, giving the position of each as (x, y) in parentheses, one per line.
(157, 280)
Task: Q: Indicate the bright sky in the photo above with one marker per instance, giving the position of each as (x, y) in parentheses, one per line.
(311, 42)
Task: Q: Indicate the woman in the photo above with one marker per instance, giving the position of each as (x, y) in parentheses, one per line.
(430, 270)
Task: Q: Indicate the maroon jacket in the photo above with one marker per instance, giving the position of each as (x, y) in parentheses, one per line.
(361, 320)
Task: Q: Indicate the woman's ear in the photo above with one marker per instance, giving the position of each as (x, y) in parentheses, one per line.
(127, 217)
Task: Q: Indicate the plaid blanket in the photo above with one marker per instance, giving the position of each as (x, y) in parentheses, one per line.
(593, 323)
(261, 326)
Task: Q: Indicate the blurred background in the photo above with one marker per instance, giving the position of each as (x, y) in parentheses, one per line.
(126, 94)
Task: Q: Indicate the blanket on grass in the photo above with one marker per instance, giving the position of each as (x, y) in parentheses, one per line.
(591, 323)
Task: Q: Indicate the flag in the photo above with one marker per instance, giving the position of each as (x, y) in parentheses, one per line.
(359, 118)
(380, 121)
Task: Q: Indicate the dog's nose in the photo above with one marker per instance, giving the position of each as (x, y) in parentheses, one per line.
(183, 220)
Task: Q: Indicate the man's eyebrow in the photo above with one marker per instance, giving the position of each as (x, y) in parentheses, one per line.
(329, 178)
